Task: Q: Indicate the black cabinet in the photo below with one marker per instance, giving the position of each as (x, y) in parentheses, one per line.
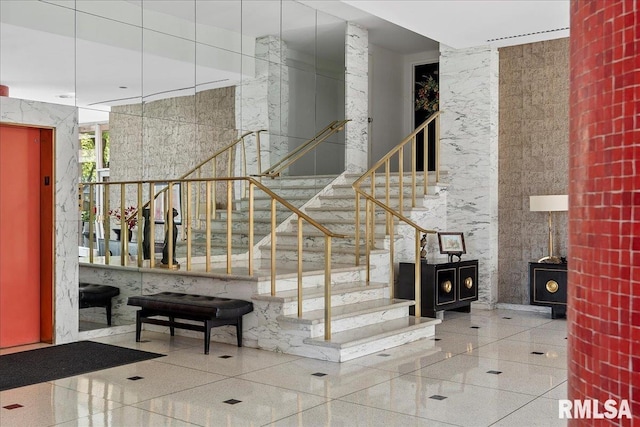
(548, 287)
(444, 286)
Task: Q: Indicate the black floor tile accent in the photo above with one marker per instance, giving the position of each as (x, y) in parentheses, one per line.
(384, 355)
(436, 339)
(437, 397)
(226, 356)
(475, 327)
(14, 406)
(508, 318)
(494, 372)
(319, 374)
(232, 401)
(136, 378)
(539, 353)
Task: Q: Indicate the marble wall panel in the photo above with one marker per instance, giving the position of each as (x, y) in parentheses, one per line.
(64, 120)
(356, 98)
(469, 141)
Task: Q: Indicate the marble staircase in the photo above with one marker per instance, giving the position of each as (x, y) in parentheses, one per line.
(364, 319)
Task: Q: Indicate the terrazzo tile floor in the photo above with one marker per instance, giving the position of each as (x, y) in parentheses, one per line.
(484, 368)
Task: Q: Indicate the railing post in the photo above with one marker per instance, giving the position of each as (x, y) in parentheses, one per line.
(187, 222)
(391, 260)
(92, 219)
(418, 265)
(124, 227)
(357, 234)
(425, 161)
(107, 225)
(367, 231)
(327, 287)
(401, 179)
(273, 247)
(387, 191)
(152, 226)
(140, 237)
(437, 148)
(229, 224)
(251, 216)
(414, 157)
(299, 266)
(170, 222)
(207, 256)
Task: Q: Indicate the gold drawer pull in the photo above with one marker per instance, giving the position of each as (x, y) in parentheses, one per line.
(446, 286)
(552, 286)
(468, 282)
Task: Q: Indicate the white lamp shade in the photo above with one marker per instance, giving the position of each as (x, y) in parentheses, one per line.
(549, 203)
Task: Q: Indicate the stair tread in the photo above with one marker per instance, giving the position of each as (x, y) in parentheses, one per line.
(364, 334)
(348, 310)
(346, 249)
(318, 291)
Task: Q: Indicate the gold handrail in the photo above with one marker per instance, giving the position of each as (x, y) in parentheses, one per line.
(195, 184)
(372, 202)
(333, 127)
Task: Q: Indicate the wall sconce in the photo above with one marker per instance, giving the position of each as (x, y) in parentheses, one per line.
(549, 203)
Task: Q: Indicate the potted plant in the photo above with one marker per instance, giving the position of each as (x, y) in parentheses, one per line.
(128, 216)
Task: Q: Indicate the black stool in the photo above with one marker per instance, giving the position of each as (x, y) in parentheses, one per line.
(98, 296)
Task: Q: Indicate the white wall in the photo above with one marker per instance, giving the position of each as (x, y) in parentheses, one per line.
(387, 101)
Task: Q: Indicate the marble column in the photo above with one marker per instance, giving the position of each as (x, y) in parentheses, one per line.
(64, 120)
(356, 98)
(262, 102)
(469, 152)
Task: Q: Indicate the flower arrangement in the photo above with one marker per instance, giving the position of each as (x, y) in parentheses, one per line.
(84, 215)
(128, 212)
(428, 95)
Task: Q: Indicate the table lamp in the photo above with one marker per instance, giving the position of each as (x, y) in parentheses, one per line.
(549, 203)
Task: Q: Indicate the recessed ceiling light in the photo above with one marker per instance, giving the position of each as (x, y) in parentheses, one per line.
(67, 95)
(122, 87)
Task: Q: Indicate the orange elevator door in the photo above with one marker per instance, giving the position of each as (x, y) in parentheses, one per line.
(20, 221)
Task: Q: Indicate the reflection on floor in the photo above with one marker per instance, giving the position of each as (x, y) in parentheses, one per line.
(85, 325)
(487, 368)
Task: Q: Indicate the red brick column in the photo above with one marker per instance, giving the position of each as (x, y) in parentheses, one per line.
(604, 205)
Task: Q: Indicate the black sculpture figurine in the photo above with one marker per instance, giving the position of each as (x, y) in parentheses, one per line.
(165, 249)
(146, 234)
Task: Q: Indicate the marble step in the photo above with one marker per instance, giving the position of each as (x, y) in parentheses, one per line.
(348, 316)
(264, 201)
(313, 297)
(284, 181)
(369, 339)
(332, 201)
(289, 253)
(339, 225)
(312, 276)
(313, 238)
(394, 177)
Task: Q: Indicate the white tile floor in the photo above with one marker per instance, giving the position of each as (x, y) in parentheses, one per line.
(478, 371)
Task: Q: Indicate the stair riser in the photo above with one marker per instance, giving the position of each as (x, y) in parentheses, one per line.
(318, 257)
(281, 215)
(330, 203)
(348, 323)
(310, 281)
(317, 303)
(316, 241)
(296, 181)
(348, 227)
(266, 203)
(372, 347)
(349, 215)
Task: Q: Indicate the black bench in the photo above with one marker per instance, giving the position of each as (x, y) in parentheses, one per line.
(212, 311)
(92, 295)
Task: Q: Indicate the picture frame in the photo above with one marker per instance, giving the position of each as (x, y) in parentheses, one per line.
(452, 243)
(159, 210)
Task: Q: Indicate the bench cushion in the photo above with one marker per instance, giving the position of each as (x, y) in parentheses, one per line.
(90, 292)
(200, 305)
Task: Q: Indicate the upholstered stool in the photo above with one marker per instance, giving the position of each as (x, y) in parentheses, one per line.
(92, 295)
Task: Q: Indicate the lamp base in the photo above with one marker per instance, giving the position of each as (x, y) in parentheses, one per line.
(551, 259)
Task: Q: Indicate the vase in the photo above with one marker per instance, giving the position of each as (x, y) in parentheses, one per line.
(119, 234)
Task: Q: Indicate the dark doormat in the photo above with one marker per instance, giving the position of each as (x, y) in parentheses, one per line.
(62, 361)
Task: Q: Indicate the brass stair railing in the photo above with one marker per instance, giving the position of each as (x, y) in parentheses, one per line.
(392, 214)
(332, 128)
(100, 215)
